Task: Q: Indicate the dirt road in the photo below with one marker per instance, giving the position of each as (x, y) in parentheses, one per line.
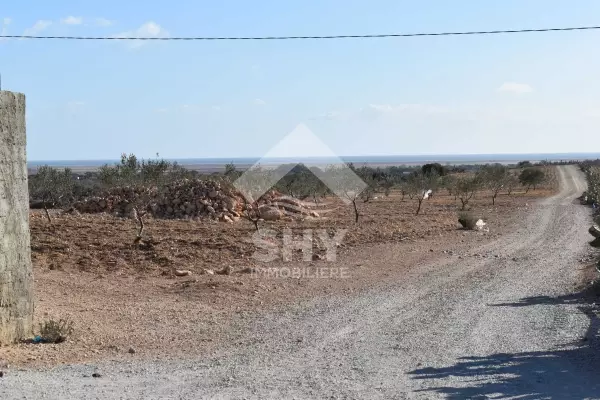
(498, 323)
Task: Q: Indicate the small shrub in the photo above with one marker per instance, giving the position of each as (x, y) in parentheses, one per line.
(56, 331)
(468, 220)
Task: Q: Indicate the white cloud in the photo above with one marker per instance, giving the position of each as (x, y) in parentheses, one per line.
(161, 110)
(259, 102)
(6, 21)
(38, 27)
(150, 29)
(71, 20)
(216, 108)
(514, 87)
(103, 22)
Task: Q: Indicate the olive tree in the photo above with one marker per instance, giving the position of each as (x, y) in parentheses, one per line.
(512, 182)
(52, 187)
(466, 187)
(418, 184)
(345, 182)
(494, 177)
(252, 185)
(140, 179)
(531, 177)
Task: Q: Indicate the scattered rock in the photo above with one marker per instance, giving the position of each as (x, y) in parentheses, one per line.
(131, 350)
(269, 213)
(191, 199)
(96, 375)
(208, 271)
(231, 204)
(226, 271)
(479, 225)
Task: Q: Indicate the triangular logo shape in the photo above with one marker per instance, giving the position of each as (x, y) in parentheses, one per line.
(338, 176)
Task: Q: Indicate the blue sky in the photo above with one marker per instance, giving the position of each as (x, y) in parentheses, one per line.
(527, 93)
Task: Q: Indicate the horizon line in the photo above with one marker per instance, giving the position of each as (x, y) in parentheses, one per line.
(327, 157)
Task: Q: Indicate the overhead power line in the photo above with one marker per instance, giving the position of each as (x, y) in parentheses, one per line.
(372, 36)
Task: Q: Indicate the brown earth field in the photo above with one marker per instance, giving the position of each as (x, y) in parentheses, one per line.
(126, 302)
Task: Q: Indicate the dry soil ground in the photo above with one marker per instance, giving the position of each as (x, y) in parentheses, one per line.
(124, 297)
(480, 316)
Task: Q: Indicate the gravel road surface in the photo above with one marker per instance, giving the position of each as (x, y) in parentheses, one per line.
(500, 322)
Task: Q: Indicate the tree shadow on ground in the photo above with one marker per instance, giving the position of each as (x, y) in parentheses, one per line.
(567, 373)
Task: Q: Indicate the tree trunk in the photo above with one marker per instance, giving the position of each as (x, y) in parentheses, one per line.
(356, 214)
(16, 275)
(140, 219)
(419, 208)
(47, 213)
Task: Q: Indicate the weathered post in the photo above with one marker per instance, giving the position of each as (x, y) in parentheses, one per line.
(16, 275)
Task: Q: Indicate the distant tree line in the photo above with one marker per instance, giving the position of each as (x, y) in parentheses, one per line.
(51, 187)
